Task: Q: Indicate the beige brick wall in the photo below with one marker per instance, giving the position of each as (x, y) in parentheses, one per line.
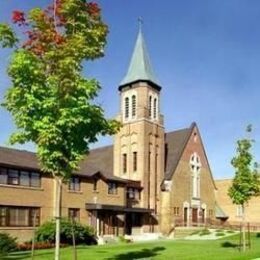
(78, 199)
(12, 195)
(43, 198)
(252, 209)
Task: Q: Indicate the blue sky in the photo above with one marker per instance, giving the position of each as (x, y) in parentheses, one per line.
(206, 55)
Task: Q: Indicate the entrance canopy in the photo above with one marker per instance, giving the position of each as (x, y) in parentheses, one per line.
(119, 209)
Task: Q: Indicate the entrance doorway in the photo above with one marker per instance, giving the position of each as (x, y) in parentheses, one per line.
(194, 216)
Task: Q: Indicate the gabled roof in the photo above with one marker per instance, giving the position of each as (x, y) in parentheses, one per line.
(140, 68)
(175, 142)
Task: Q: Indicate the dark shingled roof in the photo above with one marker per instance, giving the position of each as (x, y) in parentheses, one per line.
(18, 158)
(175, 143)
(100, 160)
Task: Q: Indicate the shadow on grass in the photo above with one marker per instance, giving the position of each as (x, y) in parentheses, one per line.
(229, 244)
(141, 254)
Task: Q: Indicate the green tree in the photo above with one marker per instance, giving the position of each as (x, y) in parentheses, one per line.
(52, 104)
(246, 183)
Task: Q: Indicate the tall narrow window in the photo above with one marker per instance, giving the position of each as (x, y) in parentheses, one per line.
(133, 105)
(155, 108)
(126, 108)
(35, 179)
(24, 178)
(95, 182)
(150, 106)
(3, 176)
(195, 169)
(124, 163)
(13, 177)
(135, 161)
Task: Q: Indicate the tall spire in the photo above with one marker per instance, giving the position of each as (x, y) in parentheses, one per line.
(140, 67)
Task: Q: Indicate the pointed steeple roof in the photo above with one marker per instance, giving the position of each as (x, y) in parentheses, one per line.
(140, 68)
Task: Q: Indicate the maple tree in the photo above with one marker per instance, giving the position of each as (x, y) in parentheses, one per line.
(246, 182)
(50, 101)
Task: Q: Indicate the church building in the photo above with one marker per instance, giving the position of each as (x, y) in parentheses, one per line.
(148, 181)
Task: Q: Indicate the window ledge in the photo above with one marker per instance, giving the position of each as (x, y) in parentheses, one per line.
(75, 191)
(17, 228)
(95, 191)
(21, 187)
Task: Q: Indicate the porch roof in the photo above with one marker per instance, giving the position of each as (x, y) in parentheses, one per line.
(121, 209)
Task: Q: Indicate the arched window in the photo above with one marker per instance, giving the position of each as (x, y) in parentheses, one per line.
(126, 107)
(155, 108)
(150, 106)
(133, 105)
(195, 164)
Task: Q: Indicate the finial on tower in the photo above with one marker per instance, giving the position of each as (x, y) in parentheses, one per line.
(140, 23)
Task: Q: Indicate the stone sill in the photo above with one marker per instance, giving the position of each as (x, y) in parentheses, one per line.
(114, 195)
(75, 192)
(21, 187)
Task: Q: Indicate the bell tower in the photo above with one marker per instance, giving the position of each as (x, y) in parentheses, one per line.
(139, 145)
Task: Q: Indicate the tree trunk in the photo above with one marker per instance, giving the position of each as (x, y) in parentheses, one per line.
(73, 240)
(243, 228)
(33, 238)
(58, 187)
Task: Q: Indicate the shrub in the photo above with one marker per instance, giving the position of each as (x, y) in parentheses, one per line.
(26, 246)
(205, 232)
(7, 243)
(83, 234)
(231, 231)
(258, 234)
(195, 232)
(220, 234)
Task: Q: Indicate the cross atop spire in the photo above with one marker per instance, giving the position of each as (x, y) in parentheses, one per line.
(140, 68)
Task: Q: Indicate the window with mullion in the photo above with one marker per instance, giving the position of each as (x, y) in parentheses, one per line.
(35, 179)
(74, 184)
(74, 214)
(3, 176)
(13, 177)
(112, 188)
(3, 216)
(24, 178)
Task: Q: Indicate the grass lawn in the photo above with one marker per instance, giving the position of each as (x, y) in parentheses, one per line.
(162, 249)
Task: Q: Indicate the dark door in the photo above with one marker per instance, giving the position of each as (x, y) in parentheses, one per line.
(128, 224)
(194, 216)
(185, 216)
